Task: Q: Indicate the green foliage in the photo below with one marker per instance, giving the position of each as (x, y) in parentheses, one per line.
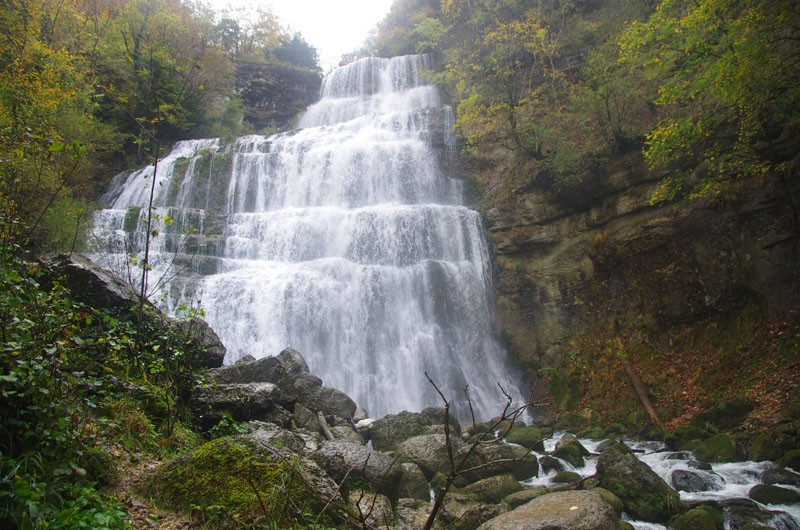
(729, 90)
(75, 382)
(230, 483)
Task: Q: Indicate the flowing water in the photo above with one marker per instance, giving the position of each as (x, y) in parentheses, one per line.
(344, 239)
(722, 483)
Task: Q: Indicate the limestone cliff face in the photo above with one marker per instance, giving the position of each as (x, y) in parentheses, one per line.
(593, 255)
(273, 94)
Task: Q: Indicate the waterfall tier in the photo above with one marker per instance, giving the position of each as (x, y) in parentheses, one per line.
(343, 239)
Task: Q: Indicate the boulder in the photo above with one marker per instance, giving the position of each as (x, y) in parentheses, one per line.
(92, 284)
(347, 460)
(770, 494)
(462, 511)
(791, 459)
(318, 398)
(242, 402)
(264, 370)
(346, 433)
(388, 432)
(373, 509)
(742, 512)
(493, 489)
(566, 477)
(429, 452)
(528, 437)
(497, 458)
(238, 475)
(575, 510)
(205, 349)
(700, 518)
(688, 480)
(780, 476)
(548, 463)
(293, 362)
(718, 448)
(644, 494)
(411, 514)
(525, 496)
(413, 484)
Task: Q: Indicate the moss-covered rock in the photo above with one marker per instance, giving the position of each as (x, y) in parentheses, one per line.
(644, 494)
(686, 437)
(763, 446)
(566, 477)
(700, 518)
(238, 479)
(718, 448)
(791, 459)
(528, 437)
(493, 489)
(611, 499)
(521, 497)
(770, 494)
(571, 454)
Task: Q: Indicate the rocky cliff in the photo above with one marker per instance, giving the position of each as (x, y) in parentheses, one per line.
(273, 94)
(593, 254)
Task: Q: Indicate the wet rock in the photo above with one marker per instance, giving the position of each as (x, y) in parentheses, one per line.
(265, 370)
(770, 494)
(741, 512)
(527, 437)
(566, 477)
(576, 510)
(204, 345)
(718, 448)
(645, 495)
(293, 362)
(700, 518)
(570, 449)
(550, 463)
(686, 480)
(355, 461)
(780, 476)
(411, 514)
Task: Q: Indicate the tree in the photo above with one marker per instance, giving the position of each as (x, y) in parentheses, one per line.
(729, 103)
(298, 52)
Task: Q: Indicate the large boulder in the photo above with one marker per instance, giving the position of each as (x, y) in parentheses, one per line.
(497, 458)
(695, 480)
(462, 511)
(264, 370)
(413, 484)
(390, 431)
(293, 362)
(570, 449)
(318, 398)
(241, 475)
(573, 510)
(770, 494)
(429, 452)
(347, 460)
(645, 495)
(242, 402)
(203, 344)
(700, 518)
(92, 284)
(493, 489)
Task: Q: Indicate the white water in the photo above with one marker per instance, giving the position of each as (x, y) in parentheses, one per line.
(726, 481)
(344, 240)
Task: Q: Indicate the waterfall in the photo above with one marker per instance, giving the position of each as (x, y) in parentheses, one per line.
(343, 239)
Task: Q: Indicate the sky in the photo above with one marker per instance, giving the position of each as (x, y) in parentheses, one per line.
(333, 27)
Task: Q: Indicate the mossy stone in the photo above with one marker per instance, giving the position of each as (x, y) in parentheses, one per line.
(527, 437)
(791, 459)
(755, 526)
(771, 494)
(566, 477)
(238, 478)
(571, 454)
(762, 447)
(718, 448)
(686, 437)
(611, 499)
(700, 518)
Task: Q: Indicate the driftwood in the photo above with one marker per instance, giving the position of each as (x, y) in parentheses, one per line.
(641, 392)
(323, 425)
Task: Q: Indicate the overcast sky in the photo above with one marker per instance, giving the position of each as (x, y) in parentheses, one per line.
(333, 27)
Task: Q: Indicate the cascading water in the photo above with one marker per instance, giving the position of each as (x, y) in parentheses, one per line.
(343, 239)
